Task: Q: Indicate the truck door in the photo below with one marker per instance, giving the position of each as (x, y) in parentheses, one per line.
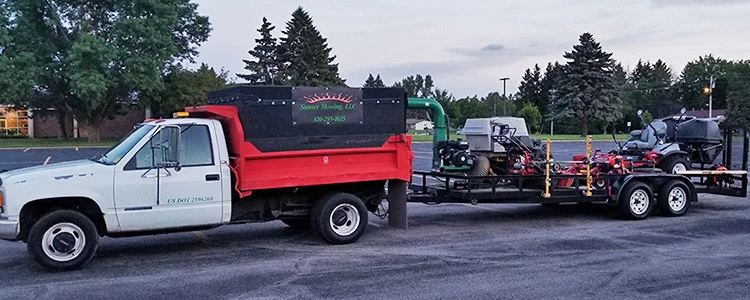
(149, 198)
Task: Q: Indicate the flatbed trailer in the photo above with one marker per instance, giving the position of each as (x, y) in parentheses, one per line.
(635, 194)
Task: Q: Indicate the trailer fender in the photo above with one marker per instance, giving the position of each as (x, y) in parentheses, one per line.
(674, 152)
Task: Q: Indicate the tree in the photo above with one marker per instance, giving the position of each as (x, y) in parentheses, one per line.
(183, 88)
(373, 82)
(503, 105)
(530, 90)
(587, 91)
(305, 56)
(696, 76)
(550, 83)
(419, 87)
(531, 114)
(738, 96)
(94, 58)
(265, 67)
(470, 107)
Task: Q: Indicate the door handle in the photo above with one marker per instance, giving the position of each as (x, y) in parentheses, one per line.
(212, 177)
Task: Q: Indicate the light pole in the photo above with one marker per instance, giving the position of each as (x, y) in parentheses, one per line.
(504, 79)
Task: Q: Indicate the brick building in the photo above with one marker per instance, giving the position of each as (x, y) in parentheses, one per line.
(43, 123)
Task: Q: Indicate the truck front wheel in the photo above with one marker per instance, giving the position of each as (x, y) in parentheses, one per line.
(62, 240)
(339, 218)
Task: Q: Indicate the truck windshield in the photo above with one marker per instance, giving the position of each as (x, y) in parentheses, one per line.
(114, 154)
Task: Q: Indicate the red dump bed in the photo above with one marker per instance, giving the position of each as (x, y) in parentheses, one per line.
(256, 170)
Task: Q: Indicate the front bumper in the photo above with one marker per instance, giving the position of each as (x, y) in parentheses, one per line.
(8, 229)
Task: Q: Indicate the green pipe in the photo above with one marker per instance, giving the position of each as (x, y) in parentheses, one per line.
(440, 130)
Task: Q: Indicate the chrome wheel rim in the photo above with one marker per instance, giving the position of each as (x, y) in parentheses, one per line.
(677, 199)
(344, 219)
(639, 202)
(63, 242)
(679, 167)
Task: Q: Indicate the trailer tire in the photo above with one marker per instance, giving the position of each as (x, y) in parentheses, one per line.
(675, 163)
(62, 240)
(481, 167)
(674, 198)
(339, 218)
(636, 201)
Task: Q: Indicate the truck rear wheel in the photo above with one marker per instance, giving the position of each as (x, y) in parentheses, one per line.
(339, 218)
(62, 240)
(636, 201)
(674, 198)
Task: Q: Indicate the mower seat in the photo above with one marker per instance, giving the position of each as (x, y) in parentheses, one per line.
(647, 140)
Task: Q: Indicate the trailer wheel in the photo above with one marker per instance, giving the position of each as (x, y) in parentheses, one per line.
(636, 201)
(675, 163)
(339, 218)
(481, 167)
(62, 240)
(674, 198)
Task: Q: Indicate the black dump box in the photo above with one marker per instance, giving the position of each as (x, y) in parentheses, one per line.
(699, 131)
(284, 118)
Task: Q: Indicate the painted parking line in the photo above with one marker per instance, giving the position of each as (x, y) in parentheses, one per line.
(27, 149)
(46, 161)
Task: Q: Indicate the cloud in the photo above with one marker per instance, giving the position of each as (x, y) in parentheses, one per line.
(493, 47)
(490, 50)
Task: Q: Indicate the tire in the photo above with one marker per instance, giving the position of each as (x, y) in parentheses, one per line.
(674, 163)
(636, 201)
(339, 218)
(62, 240)
(481, 167)
(297, 224)
(674, 198)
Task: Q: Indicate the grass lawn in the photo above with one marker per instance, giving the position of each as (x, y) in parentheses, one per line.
(51, 142)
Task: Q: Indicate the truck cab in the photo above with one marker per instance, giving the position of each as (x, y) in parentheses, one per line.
(164, 175)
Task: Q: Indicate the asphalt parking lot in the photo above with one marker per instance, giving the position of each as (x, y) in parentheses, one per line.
(450, 251)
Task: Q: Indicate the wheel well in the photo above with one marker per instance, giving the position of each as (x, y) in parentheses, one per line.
(34, 210)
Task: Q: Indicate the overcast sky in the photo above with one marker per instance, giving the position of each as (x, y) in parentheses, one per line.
(468, 45)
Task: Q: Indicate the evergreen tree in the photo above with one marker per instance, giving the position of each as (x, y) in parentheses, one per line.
(373, 82)
(549, 84)
(530, 91)
(305, 55)
(265, 67)
(587, 91)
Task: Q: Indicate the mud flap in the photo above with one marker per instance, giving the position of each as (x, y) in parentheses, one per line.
(397, 203)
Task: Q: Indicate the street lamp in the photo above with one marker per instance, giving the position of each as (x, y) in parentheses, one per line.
(504, 79)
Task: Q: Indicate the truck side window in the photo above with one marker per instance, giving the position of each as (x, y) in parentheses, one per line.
(195, 149)
(195, 146)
